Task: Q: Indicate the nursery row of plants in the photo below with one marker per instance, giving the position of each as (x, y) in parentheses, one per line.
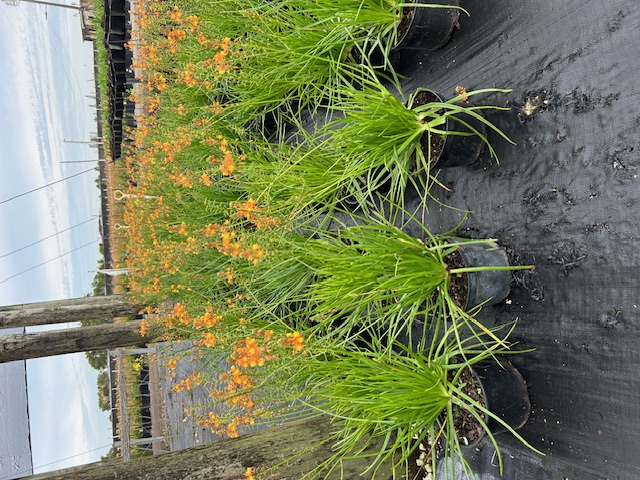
(265, 217)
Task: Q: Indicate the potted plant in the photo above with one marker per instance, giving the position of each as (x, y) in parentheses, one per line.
(374, 276)
(387, 141)
(380, 26)
(434, 397)
(429, 29)
(302, 54)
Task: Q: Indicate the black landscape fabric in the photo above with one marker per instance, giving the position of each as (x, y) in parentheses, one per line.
(566, 198)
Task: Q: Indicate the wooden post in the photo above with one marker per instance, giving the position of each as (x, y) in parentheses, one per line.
(125, 425)
(292, 450)
(65, 311)
(57, 342)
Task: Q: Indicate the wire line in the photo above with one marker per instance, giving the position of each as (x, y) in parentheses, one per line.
(48, 185)
(46, 238)
(49, 261)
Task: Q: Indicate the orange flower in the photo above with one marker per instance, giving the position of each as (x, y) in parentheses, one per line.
(209, 340)
(249, 474)
(247, 353)
(215, 108)
(250, 211)
(176, 35)
(206, 179)
(212, 229)
(180, 180)
(144, 327)
(193, 21)
(175, 14)
(188, 383)
(229, 274)
(247, 209)
(462, 91)
(232, 429)
(180, 312)
(229, 166)
(294, 340)
(188, 76)
(254, 254)
(208, 320)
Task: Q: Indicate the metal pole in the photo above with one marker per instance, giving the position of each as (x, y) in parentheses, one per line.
(82, 161)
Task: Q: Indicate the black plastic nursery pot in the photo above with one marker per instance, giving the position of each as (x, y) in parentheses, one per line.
(505, 395)
(452, 150)
(425, 28)
(486, 287)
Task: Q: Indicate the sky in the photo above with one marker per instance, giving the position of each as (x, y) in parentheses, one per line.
(46, 100)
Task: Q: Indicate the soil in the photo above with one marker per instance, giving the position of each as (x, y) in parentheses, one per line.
(468, 428)
(431, 147)
(405, 23)
(459, 286)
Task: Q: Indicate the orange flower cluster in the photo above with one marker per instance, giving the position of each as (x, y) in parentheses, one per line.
(175, 14)
(180, 180)
(172, 363)
(157, 81)
(144, 327)
(215, 108)
(207, 320)
(236, 379)
(294, 340)
(144, 13)
(249, 210)
(226, 164)
(205, 179)
(220, 58)
(174, 36)
(248, 353)
(210, 421)
(149, 52)
(152, 104)
(193, 22)
(232, 429)
(188, 383)
(163, 237)
(462, 91)
(239, 386)
(229, 274)
(228, 243)
(209, 340)
(188, 75)
(179, 312)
